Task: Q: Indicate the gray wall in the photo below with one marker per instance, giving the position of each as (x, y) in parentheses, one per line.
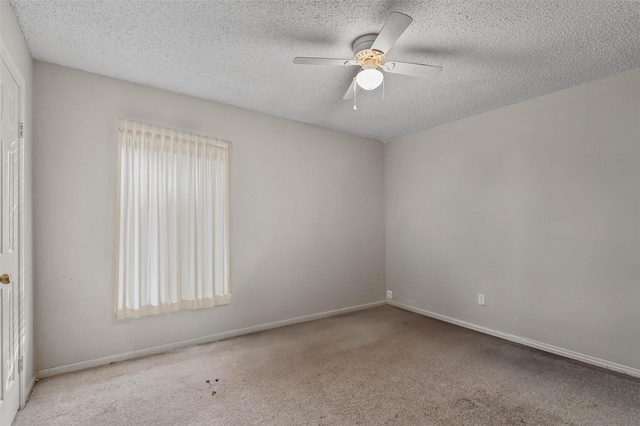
(537, 205)
(307, 216)
(16, 45)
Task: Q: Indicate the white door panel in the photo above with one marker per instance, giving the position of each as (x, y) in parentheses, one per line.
(9, 245)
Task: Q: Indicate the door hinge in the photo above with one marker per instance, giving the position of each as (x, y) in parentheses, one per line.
(20, 364)
(21, 130)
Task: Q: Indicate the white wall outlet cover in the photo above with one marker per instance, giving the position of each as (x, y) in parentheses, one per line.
(389, 294)
(481, 300)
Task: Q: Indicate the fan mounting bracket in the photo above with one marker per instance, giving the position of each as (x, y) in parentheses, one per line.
(363, 42)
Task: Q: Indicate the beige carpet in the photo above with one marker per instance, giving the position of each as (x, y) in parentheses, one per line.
(379, 366)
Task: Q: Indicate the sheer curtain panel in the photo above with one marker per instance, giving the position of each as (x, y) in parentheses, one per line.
(173, 221)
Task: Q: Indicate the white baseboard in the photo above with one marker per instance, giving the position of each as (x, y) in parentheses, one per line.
(48, 372)
(27, 392)
(524, 341)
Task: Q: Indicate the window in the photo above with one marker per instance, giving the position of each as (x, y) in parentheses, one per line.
(173, 220)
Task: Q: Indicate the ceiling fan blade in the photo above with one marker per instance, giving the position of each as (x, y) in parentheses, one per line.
(324, 61)
(348, 95)
(416, 70)
(396, 24)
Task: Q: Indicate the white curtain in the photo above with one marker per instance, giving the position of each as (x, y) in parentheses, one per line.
(173, 236)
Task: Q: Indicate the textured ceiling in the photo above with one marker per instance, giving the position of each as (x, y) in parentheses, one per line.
(240, 53)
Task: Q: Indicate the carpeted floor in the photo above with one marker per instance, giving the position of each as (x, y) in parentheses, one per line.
(381, 366)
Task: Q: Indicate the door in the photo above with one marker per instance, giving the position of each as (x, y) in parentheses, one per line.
(9, 244)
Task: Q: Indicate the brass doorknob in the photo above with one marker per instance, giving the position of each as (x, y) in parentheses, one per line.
(5, 278)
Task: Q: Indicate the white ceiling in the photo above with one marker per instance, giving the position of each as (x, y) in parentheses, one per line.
(240, 53)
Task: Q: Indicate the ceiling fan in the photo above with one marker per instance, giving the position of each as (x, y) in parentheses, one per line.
(369, 53)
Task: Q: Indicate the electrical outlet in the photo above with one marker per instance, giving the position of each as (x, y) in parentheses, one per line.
(481, 299)
(389, 294)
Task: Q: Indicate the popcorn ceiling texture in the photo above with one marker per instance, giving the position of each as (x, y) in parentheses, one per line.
(240, 53)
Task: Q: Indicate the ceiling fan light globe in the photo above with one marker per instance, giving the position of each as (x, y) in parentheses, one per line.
(369, 78)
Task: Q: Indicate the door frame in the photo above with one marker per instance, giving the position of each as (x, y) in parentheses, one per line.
(24, 389)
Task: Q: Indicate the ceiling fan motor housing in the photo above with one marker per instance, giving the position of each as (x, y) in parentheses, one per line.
(369, 58)
(364, 55)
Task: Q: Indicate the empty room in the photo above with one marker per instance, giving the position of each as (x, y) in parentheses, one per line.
(301, 212)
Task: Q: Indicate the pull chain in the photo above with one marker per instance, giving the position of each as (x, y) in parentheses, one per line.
(383, 90)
